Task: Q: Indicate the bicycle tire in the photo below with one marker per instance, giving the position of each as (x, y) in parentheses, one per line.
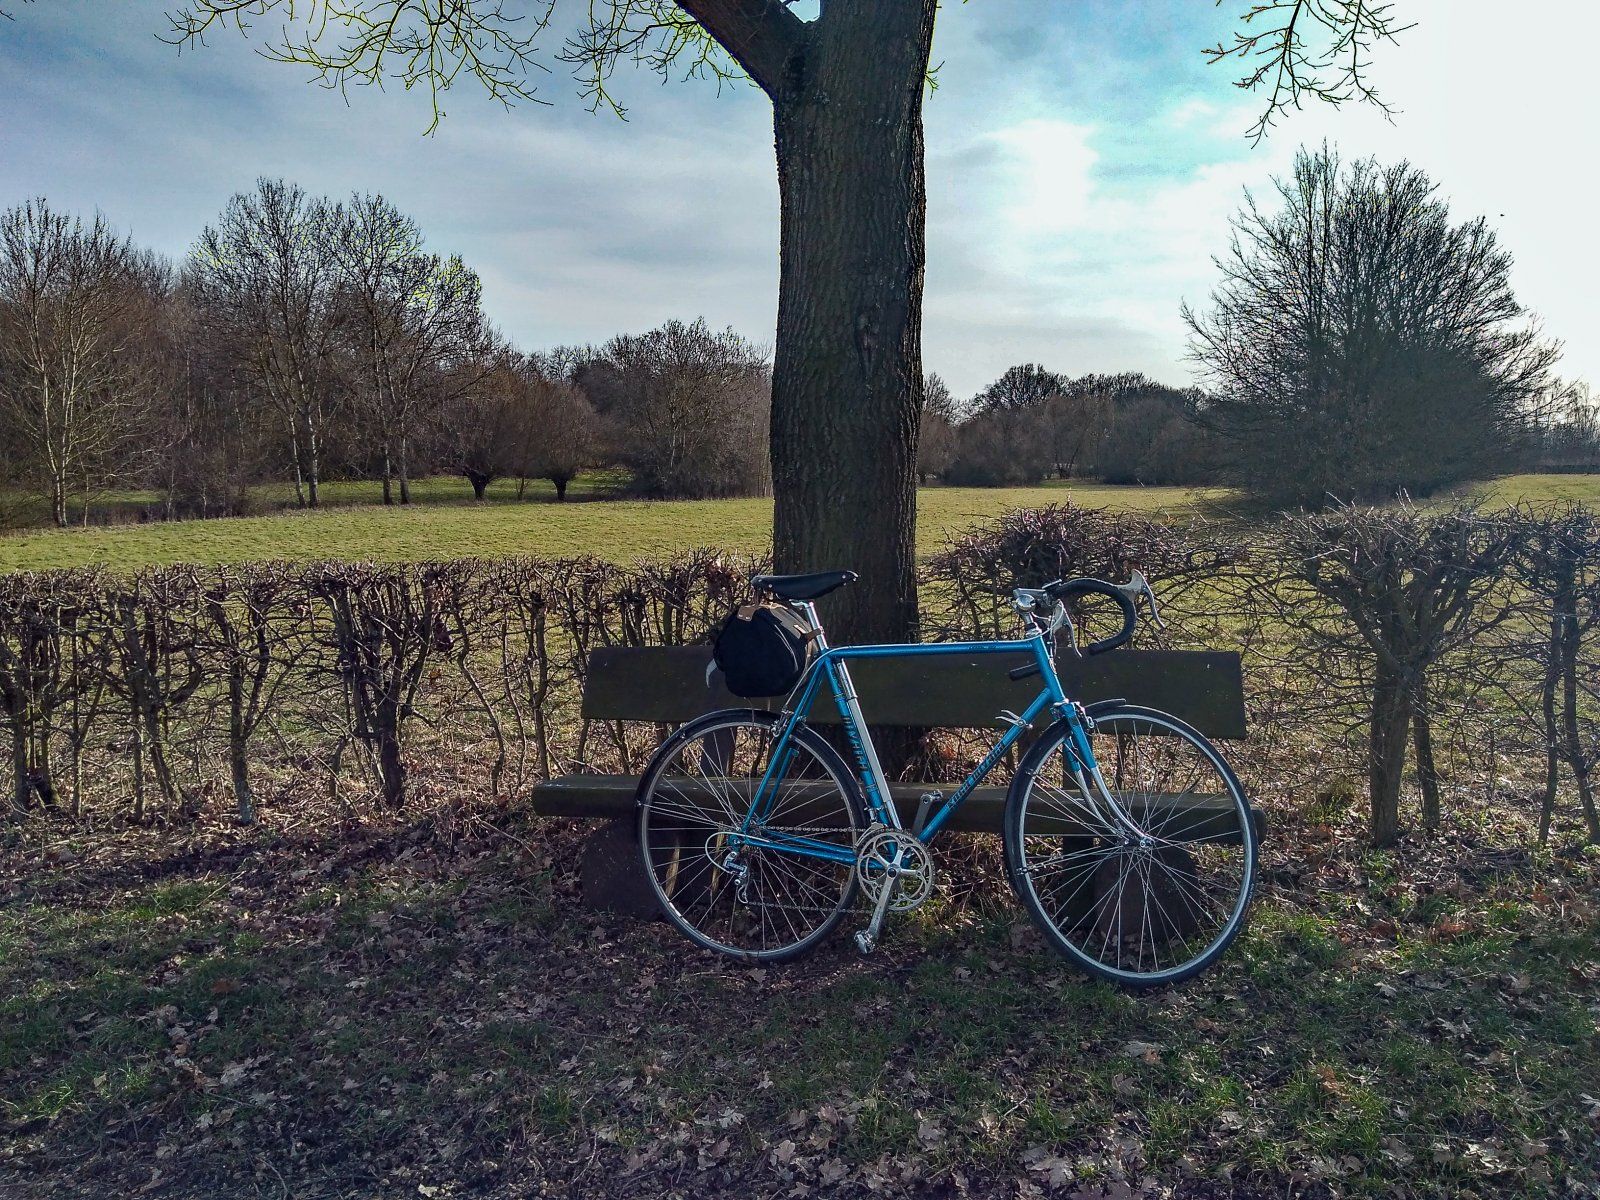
(1090, 856)
(738, 913)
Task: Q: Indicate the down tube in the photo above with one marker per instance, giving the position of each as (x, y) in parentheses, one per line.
(1010, 738)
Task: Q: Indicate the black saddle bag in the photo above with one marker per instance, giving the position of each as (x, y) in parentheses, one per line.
(762, 650)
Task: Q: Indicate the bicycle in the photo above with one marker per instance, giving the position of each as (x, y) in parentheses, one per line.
(1127, 837)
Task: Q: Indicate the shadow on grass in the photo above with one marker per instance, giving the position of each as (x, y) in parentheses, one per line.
(379, 1015)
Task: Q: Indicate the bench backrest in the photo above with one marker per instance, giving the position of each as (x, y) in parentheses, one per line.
(668, 684)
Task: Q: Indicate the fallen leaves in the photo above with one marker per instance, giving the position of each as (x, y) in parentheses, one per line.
(1145, 1052)
(414, 1011)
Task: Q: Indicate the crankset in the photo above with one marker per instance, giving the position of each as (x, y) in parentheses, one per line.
(895, 870)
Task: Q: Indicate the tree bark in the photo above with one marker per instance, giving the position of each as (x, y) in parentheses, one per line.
(1576, 758)
(239, 744)
(313, 462)
(1427, 770)
(1386, 756)
(294, 456)
(847, 375)
(391, 763)
(405, 464)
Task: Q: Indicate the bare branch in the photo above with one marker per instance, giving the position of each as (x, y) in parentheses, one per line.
(1308, 48)
(432, 43)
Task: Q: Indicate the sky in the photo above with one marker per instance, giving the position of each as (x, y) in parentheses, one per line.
(1083, 164)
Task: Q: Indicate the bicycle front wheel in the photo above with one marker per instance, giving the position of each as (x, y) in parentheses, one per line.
(1150, 886)
(749, 843)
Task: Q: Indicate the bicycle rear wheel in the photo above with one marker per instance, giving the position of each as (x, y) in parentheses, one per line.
(1156, 900)
(764, 889)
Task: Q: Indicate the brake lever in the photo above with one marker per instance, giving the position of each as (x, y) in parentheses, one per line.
(1138, 586)
(1072, 637)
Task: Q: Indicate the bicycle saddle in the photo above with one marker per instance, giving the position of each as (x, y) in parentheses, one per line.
(803, 587)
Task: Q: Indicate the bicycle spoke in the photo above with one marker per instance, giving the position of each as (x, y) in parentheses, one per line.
(1144, 902)
(730, 831)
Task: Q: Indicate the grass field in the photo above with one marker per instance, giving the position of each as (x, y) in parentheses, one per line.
(205, 1013)
(449, 526)
(447, 523)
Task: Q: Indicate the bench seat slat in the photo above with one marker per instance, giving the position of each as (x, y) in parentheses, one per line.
(1208, 818)
(668, 684)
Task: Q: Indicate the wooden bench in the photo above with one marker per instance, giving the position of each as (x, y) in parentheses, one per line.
(667, 685)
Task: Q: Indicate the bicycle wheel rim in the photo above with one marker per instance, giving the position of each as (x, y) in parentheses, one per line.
(766, 903)
(1142, 906)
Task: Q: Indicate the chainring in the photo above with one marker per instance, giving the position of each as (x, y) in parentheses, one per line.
(877, 867)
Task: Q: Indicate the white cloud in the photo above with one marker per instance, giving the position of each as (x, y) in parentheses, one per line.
(1045, 177)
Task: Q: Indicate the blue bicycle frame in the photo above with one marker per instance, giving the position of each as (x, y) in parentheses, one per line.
(830, 666)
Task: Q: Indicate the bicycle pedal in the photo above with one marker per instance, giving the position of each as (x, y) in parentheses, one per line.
(865, 942)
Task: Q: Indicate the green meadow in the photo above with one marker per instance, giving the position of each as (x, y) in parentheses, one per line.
(447, 523)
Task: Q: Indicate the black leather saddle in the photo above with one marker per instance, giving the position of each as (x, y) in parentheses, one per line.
(803, 587)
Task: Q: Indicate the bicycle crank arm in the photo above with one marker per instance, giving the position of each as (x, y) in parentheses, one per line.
(867, 939)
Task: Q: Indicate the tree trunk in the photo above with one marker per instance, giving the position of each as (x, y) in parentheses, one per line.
(405, 464)
(1427, 771)
(391, 764)
(561, 489)
(1575, 756)
(1553, 670)
(388, 478)
(294, 457)
(479, 482)
(239, 745)
(313, 462)
(847, 374)
(1386, 756)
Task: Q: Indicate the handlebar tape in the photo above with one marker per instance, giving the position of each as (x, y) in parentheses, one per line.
(1070, 589)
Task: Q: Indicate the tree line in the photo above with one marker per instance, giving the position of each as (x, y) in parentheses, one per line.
(304, 339)
(1032, 424)
(1361, 345)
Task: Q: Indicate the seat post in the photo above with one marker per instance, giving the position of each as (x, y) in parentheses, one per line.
(844, 692)
(810, 611)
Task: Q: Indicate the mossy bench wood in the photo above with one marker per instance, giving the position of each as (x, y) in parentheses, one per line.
(667, 685)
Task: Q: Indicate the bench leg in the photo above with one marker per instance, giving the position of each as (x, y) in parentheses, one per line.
(610, 875)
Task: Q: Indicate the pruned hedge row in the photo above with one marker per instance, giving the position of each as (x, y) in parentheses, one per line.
(1460, 641)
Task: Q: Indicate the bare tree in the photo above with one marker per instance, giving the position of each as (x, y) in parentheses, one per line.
(1003, 447)
(483, 424)
(1559, 561)
(688, 408)
(1073, 426)
(75, 300)
(205, 444)
(936, 442)
(1025, 386)
(412, 314)
(1360, 344)
(1568, 438)
(266, 274)
(1398, 589)
(560, 432)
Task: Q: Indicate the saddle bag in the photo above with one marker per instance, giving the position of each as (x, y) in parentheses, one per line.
(763, 650)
